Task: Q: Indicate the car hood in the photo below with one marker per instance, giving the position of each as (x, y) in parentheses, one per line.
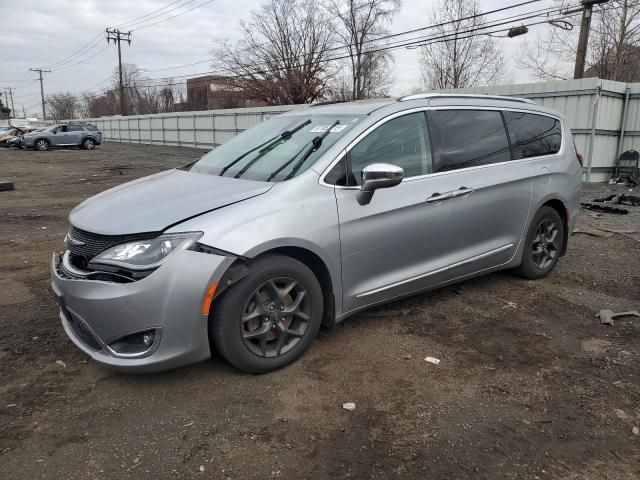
(156, 202)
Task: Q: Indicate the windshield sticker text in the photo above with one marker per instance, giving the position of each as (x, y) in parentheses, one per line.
(323, 128)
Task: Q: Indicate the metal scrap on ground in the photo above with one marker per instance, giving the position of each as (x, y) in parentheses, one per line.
(606, 316)
(604, 208)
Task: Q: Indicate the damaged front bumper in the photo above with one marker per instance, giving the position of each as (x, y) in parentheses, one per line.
(161, 312)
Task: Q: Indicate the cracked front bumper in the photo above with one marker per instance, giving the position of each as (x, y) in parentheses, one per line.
(95, 313)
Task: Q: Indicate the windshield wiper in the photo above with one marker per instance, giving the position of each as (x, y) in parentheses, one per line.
(264, 148)
(283, 137)
(315, 144)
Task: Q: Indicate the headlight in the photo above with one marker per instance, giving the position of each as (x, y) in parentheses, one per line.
(146, 254)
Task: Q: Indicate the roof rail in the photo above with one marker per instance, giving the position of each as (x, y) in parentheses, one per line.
(419, 96)
(328, 102)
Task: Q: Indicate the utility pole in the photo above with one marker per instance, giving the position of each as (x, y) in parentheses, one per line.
(583, 40)
(12, 107)
(117, 36)
(41, 71)
(24, 112)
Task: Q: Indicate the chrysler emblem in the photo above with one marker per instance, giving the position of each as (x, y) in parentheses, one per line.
(69, 240)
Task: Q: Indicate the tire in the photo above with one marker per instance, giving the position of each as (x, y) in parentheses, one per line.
(88, 144)
(42, 145)
(543, 245)
(267, 339)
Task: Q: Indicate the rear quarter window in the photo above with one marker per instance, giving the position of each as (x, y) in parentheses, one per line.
(532, 135)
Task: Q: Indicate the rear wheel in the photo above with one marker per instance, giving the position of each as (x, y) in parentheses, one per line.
(88, 144)
(42, 145)
(543, 244)
(268, 319)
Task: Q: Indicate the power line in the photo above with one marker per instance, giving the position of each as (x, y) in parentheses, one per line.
(411, 42)
(120, 25)
(91, 56)
(383, 37)
(330, 19)
(420, 41)
(95, 40)
(77, 52)
(174, 16)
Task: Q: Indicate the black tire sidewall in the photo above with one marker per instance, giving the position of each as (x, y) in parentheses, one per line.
(226, 311)
(527, 268)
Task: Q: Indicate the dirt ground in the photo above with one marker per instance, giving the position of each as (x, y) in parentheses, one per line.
(530, 385)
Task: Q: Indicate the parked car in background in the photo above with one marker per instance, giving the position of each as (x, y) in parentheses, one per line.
(16, 142)
(10, 135)
(310, 217)
(64, 135)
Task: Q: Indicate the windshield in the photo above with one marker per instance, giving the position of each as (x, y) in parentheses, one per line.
(272, 150)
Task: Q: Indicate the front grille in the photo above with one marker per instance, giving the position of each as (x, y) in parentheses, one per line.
(93, 243)
(83, 332)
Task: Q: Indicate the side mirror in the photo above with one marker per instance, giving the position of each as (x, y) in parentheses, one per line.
(378, 175)
(55, 131)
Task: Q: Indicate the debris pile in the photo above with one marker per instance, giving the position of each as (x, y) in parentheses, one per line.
(605, 204)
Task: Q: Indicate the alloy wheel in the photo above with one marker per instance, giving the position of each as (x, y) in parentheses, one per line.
(42, 145)
(89, 144)
(545, 247)
(275, 317)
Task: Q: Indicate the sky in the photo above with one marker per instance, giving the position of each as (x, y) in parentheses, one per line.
(41, 33)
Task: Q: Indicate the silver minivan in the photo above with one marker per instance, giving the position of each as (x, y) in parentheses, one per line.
(310, 217)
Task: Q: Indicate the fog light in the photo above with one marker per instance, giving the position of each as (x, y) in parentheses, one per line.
(147, 339)
(134, 344)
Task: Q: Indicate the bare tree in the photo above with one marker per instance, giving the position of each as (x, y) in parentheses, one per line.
(62, 106)
(141, 95)
(358, 24)
(550, 56)
(465, 57)
(613, 52)
(282, 56)
(615, 44)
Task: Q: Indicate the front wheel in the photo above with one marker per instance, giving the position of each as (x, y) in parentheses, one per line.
(543, 244)
(268, 319)
(42, 145)
(88, 144)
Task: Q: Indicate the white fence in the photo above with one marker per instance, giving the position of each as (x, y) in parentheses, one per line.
(25, 122)
(203, 129)
(604, 117)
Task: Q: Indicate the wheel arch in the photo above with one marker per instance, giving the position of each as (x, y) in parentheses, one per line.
(238, 270)
(320, 270)
(560, 207)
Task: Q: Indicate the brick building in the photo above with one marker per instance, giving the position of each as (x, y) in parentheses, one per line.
(214, 91)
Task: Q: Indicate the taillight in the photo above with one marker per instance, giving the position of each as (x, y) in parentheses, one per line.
(580, 159)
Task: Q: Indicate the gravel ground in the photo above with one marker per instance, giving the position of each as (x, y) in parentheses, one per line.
(530, 385)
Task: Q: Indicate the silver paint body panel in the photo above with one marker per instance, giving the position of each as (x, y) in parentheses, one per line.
(397, 245)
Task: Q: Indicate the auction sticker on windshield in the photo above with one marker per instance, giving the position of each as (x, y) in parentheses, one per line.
(323, 128)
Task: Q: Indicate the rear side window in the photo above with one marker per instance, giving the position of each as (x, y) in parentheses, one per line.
(467, 138)
(74, 128)
(532, 135)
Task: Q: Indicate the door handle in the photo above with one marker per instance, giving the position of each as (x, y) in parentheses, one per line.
(439, 197)
(461, 192)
